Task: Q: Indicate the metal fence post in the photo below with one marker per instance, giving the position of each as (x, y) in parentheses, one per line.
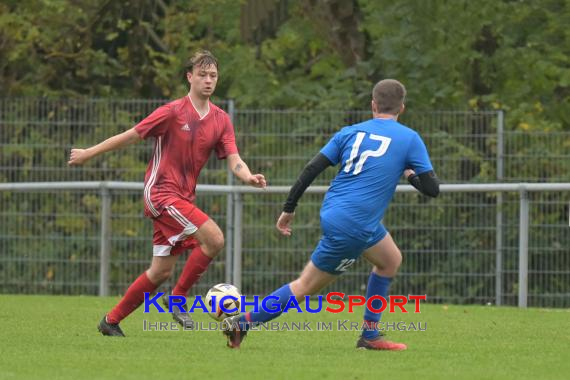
(523, 248)
(105, 243)
(238, 229)
(230, 211)
(499, 222)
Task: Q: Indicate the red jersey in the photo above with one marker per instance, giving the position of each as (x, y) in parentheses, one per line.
(184, 142)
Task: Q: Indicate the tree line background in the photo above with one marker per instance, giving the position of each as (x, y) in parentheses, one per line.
(70, 70)
(508, 54)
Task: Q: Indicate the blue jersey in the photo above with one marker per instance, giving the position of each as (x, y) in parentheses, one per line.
(373, 156)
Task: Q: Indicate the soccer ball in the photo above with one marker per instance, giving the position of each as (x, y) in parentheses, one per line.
(220, 291)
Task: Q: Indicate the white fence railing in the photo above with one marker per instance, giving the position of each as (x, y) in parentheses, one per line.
(235, 206)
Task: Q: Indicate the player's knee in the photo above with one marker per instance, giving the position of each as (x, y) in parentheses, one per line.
(389, 265)
(215, 244)
(158, 276)
(219, 242)
(165, 274)
(394, 263)
(397, 260)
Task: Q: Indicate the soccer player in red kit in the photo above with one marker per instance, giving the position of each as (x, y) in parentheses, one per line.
(186, 131)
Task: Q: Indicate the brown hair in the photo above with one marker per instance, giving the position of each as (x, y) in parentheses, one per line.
(389, 95)
(201, 58)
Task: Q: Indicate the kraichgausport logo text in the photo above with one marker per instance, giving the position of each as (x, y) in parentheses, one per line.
(336, 302)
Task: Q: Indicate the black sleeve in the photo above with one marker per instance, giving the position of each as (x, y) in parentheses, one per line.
(426, 183)
(315, 167)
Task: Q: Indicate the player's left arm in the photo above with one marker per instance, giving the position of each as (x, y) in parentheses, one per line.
(241, 170)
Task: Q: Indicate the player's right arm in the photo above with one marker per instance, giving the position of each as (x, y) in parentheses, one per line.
(426, 183)
(315, 167)
(81, 156)
(418, 161)
(153, 125)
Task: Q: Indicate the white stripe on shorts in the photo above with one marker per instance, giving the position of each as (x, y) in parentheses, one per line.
(189, 227)
(161, 250)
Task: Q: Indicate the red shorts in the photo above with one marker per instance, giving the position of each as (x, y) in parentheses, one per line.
(174, 226)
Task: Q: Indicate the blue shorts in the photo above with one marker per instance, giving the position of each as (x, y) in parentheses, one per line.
(338, 250)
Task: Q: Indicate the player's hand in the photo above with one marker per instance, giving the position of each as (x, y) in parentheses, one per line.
(408, 173)
(78, 157)
(257, 180)
(284, 223)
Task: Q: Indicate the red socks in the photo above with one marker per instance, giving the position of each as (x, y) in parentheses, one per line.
(196, 264)
(132, 299)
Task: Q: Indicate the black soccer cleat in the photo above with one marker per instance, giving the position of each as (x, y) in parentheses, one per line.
(234, 331)
(109, 329)
(183, 318)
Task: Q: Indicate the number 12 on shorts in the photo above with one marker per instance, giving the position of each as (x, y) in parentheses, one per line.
(344, 264)
(384, 143)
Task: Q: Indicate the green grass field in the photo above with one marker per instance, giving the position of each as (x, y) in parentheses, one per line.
(54, 337)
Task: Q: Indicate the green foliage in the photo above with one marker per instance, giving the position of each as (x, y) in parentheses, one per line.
(462, 54)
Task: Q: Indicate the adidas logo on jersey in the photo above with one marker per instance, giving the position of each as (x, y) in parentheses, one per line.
(185, 127)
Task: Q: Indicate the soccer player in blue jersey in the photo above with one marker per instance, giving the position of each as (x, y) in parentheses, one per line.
(372, 156)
